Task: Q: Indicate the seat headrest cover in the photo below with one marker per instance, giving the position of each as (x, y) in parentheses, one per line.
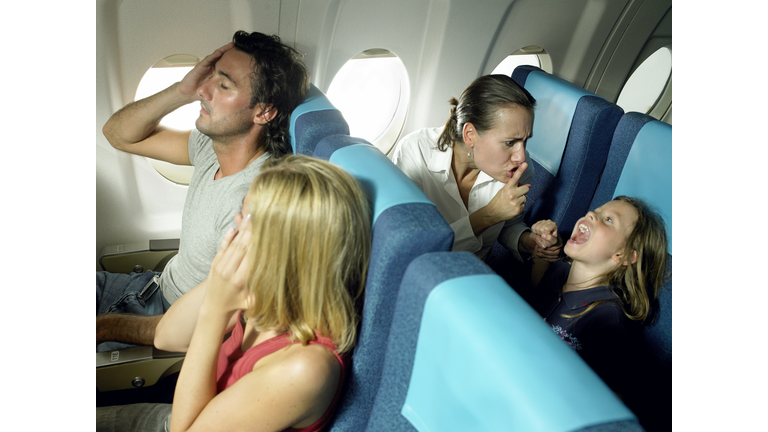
(647, 172)
(382, 180)
(485, 360)
(314, 100)
(556, 101)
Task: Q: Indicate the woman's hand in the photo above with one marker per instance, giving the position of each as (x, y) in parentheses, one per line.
(509, 201)
(226, 290)
(548, 244)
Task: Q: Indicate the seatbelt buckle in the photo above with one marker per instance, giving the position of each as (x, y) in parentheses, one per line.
(148, 290)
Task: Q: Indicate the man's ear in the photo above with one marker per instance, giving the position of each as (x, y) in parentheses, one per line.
(264, 114)
(468, 134)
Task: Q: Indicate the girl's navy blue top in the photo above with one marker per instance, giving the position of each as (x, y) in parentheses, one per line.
(604, 337)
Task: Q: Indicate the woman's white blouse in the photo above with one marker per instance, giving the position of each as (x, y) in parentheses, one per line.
(430, 169)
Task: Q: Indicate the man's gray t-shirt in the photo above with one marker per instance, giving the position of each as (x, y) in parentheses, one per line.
(209, 211)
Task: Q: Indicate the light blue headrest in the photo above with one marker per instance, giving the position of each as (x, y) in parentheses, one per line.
(647, 173)
(382, 180)
(556, 101)
(314, 100)
(485, 360)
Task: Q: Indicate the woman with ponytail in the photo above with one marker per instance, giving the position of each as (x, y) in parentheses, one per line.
(474, 169)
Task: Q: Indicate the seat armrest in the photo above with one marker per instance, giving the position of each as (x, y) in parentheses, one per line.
(134, 367)
(138, 256)
(164, 245)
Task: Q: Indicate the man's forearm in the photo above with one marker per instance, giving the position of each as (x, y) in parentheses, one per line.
(137, 120)
(126, 328)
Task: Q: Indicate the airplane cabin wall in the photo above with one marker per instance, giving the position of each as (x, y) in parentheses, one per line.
(444, 45)
(440, 42)
(572, 33)
(643, 28)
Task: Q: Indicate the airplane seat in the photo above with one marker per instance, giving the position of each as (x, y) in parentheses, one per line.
(465, 352)
(640, 165)
(313, 120)
(571, 135)
(405, 225)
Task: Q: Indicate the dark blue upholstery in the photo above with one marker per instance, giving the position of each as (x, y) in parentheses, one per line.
(406, 225)
(623, 138)
(564, 197)
(424, 273)
(314, 119)
(640, 164)
(466, 353)
(652, 402)
(328, 145)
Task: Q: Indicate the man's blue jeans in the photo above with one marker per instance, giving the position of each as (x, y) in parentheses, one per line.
(133, 293)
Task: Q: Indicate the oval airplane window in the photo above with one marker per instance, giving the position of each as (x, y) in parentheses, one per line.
(530, 55)
(161, 75)
(372, 92)
(648, 90)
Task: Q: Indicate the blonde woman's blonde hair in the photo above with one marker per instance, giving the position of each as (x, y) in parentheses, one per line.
(311, 246)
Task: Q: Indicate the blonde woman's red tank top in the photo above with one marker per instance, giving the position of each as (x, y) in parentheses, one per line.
(234, 364)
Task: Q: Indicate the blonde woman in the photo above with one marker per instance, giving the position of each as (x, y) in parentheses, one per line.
(285, 287)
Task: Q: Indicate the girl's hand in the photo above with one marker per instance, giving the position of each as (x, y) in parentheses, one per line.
(226, 290)
(548, 243)
(545, 231)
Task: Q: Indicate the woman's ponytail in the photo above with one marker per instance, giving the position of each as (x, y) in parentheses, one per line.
(450, 131)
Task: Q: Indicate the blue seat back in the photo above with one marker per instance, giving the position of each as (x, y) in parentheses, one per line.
(572, 132)
(465, 352)
(406, 225)
(313, 120)
(640, 165)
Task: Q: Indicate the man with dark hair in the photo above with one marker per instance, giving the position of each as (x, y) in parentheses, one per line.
(247, 90)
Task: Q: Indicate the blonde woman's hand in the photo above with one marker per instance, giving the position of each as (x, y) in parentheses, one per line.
(226, 290)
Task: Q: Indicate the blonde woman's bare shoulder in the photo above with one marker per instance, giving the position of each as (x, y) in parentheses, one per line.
(313, 373)
(292, 387)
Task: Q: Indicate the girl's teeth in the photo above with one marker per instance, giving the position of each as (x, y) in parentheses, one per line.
(582, 228)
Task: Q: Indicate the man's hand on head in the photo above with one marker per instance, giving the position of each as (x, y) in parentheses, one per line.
(201, 72)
